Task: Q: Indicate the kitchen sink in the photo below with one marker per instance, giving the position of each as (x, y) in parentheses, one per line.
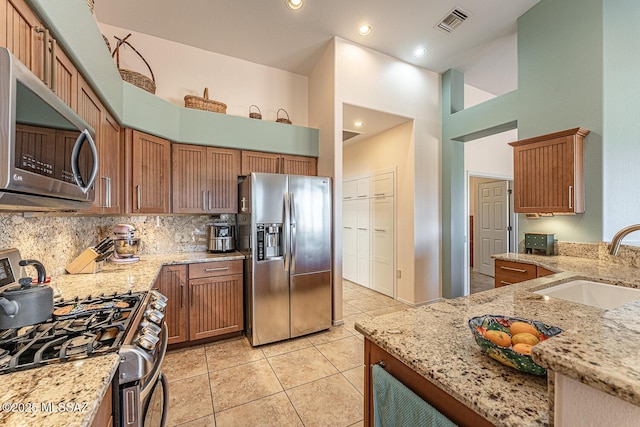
(595, 294)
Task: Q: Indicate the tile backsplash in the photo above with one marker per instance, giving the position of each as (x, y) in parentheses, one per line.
(56, 240)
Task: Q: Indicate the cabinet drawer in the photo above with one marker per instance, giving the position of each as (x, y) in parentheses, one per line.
(215, 268)
(516, 270)
(504, 280)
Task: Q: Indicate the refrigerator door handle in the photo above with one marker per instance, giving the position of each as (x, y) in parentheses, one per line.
(285, 231)
(293, 231)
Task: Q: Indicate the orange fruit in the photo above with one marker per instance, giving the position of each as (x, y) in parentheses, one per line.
(524, 338)
(520, 327)
(522, 348)
(498, 337)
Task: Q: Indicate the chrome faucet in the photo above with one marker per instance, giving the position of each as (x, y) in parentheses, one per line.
(615, 242)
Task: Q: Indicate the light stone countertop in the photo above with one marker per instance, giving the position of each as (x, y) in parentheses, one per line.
(84, 382)
(599, 348)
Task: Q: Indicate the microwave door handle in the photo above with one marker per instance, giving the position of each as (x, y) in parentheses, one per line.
(75, 161)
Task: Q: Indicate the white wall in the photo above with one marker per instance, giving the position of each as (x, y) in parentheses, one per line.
(376, 81)
(184, 70)
(392, 149)
(491, 155)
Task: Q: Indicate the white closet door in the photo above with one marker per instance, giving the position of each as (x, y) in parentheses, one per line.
(349, 240)
(349, 190)
(382, 245)
(364, 258)
(382, 185)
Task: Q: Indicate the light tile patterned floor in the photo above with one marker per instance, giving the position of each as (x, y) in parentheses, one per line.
(315, 380)
(479, 282)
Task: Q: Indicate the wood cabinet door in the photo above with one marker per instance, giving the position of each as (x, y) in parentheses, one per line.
(189, 170)
(172, 283)
(222, 169)
(109, 172)
(64, 77)
(150, 173)
(255, 161)
(215, 306)
(299, 165)
(23, 34)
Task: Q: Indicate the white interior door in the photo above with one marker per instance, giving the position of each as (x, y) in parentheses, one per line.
(493, 222)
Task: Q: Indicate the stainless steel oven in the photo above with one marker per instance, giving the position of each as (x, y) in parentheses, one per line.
(144, 394)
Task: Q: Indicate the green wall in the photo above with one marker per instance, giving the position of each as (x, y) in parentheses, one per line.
(560, 86)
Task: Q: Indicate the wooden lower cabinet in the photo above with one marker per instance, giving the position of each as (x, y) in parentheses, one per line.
(172, 283)
(447, 405)
(510, 272)
(215, 301)
(104, 416)
(205, 299)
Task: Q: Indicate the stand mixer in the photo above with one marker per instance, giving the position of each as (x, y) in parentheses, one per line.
(126, 246)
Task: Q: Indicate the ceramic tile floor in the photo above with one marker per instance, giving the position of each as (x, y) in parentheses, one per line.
(479, 282)
(315, 380)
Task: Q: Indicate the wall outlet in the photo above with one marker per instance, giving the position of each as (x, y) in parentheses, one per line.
(398, 274)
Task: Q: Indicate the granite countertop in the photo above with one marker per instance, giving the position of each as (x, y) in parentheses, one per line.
(29, 397)
(599, 348)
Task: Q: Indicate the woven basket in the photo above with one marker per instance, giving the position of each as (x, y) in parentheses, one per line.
(90, 4)
(133, 77)
(205, 103)
(283, 119)
(255, 115)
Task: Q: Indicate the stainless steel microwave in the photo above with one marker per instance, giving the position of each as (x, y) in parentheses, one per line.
(48, 157)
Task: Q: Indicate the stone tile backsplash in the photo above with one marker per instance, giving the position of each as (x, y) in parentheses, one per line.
(56, 240)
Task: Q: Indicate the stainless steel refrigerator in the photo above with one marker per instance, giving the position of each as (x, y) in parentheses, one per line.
(284, 229)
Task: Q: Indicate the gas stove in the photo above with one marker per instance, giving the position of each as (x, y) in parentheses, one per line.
(78, 328)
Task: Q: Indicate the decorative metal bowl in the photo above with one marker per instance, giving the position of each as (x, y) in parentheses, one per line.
(506, 355)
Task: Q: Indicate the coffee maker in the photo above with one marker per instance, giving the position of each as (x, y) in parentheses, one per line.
(221, 235)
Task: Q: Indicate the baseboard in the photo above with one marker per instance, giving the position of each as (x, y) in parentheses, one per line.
(420, 304)
(338, 322)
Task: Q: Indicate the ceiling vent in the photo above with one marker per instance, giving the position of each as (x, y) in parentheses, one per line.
(450, 22)
(347, 134)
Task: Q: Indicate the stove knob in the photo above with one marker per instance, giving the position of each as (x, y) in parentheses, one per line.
(154, 316)
(155, 296)
(147, 342)
(158, 305)
(150, 328)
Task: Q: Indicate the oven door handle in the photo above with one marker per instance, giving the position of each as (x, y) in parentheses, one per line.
(147, 389)
(165, 400)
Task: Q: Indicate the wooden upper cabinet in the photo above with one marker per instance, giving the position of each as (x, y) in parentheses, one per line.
(108, 182)
(205, 179)
(64, 76)
(549, 173)
(23, 34)
(299, 165)
(256, 161)
(223, 169)
(109, 173)
(147, 173)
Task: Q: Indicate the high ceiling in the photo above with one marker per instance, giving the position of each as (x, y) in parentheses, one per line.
(267, 32)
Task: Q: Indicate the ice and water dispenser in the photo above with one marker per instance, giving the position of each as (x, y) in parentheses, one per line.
(270, 241)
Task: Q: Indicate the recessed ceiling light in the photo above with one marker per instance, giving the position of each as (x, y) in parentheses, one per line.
(419, 52)
(294, 4)
(365, 30)
(358, 124)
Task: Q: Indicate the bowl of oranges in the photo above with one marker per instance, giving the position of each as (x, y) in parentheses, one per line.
(509, 340)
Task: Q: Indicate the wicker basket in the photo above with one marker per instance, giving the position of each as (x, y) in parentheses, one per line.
(133, 77)
(283, 119)
(205, 103)
(255, 115)
(90, 3)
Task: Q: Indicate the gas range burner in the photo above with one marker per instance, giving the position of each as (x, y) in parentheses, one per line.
(77, 329)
